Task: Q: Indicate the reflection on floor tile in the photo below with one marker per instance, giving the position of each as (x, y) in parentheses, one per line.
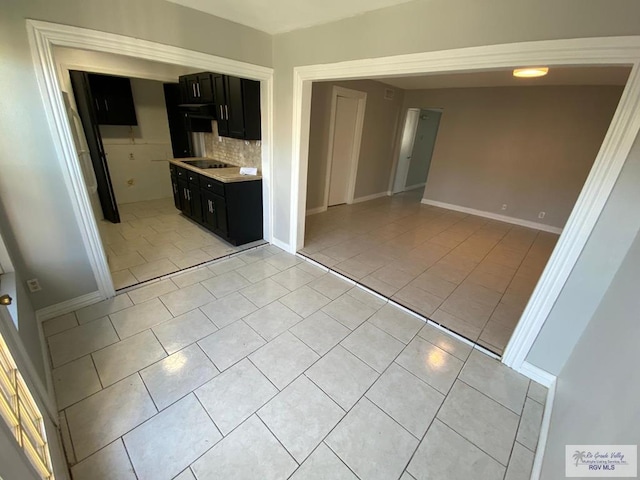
(332, 383)
(459, 270)
(154, 239)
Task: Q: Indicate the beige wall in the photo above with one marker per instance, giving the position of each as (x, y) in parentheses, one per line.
(378, 135)
(597, 391)
(530, 148)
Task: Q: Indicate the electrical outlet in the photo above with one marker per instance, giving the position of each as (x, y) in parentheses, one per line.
(131, 157)
(504, 206)
(541, 214)
(34, 285)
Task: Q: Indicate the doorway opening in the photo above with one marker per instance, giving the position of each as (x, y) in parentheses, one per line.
(416, 148)
(128, 123)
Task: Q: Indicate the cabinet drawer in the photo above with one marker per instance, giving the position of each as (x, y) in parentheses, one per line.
(181, 173)
(212, 185)
(192, 177)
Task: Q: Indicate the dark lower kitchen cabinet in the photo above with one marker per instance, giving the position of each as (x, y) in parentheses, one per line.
(232, 211)
(215, 213)
(195, 197)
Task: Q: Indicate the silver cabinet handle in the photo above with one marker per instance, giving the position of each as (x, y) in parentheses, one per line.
(221, 113)
(193, 86)
(210, 206)
(184, 191)
(106, 104)
(98, 105)
(198, 86)
(226, 111)
(188, 194)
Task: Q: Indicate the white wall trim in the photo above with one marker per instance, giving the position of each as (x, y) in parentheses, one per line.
(536, 471)
(336, 92)
(537, 374)
(68, 306)
(313, 211)
(373, 196)
(606, 168)
(280, 244)
(401, 169)
(43, 36)
(493, 216)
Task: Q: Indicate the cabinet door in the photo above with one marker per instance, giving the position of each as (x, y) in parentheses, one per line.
(236, 112)
(177, 199)
(208, 210)
(192, 89)
(220, 212)
(183, 191)
(195, 199)
(113, 100)
(205, 88)
(222, 108)
(251, 109)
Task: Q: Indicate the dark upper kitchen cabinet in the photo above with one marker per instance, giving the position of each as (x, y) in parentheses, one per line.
(235, 116)
(197, 88)
(236, 102)
(241, 108)
(222, 109)
(112, 100)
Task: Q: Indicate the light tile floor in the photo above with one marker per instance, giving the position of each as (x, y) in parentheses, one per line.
(154, 239)
(188, 378)
(468, 273)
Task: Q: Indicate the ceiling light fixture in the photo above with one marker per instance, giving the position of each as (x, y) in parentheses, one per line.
(530, 72)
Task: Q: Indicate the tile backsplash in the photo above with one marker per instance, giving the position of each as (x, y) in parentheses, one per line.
(243, 153)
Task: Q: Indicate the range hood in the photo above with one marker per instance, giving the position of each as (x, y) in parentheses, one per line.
(199, 110)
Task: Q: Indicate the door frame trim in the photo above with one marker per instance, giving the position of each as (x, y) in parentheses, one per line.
(611, 157)
(44, 36)
(336, 92)
(413, 142)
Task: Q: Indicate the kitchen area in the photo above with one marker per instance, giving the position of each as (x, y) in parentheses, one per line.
(173, 168)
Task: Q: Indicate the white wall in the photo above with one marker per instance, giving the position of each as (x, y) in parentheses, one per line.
(601, 257)
(530, 148)
(378, 135)
(35, 209)
(597, 391)
(138, 156)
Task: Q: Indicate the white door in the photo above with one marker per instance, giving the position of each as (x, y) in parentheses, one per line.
(344, 142)
(406, 147)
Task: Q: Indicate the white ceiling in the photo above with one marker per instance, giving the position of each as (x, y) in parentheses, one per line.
(278, 16)
(504, 78)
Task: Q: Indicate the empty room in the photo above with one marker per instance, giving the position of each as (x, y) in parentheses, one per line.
(449, 192)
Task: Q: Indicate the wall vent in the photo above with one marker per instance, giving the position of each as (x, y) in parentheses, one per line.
(389, 93)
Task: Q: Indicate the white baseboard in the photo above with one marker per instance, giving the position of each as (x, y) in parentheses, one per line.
(544, 433)
(313, 211)
(284, 246)
(68, 306)
(372, 197)
(413, 187)
(537, 374)
(493, 216)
